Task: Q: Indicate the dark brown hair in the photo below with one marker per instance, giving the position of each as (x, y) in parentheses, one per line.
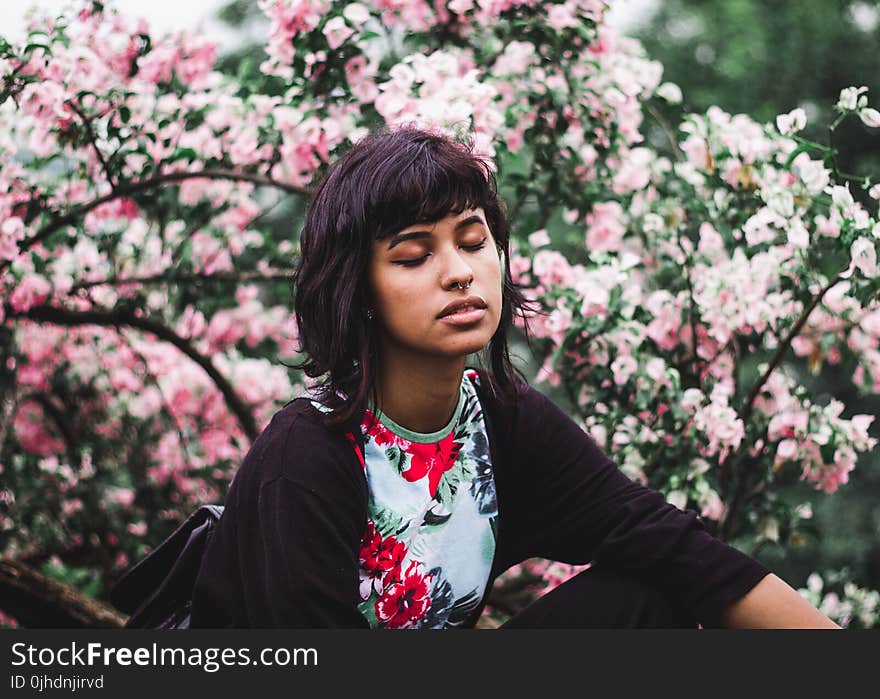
(389, 180)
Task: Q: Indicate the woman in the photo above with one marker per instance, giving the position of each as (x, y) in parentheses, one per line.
(396, 494)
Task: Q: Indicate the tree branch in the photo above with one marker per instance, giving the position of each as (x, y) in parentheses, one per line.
(36, 601)
(229, 277)
(729, 469)
(8, 406)
(121, 317)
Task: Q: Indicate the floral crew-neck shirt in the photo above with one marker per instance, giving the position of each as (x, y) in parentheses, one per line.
(427, 550)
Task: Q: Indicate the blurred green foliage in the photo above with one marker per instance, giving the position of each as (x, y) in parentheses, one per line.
(766, 57)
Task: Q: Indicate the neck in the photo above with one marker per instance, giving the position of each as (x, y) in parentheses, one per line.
(417, 392)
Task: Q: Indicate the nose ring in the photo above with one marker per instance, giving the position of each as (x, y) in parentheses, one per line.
(467, 286)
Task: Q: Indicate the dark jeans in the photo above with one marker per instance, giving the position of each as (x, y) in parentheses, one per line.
(601, 599)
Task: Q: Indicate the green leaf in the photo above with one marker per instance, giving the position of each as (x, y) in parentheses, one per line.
(30, 47)
(185, 154)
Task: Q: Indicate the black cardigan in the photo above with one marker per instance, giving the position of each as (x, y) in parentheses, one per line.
(286, 549)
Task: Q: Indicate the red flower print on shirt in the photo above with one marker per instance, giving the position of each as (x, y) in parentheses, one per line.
(431, 459)
(405, 601)
(380, 559)
(380, 433)
(380, 555)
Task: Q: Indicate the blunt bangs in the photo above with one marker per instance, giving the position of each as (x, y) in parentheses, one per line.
(423, 184)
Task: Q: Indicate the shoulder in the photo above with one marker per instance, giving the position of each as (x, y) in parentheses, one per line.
(530, 421)
(298, 447)
(528, 403)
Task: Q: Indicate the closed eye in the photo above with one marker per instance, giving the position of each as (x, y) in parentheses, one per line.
(416, 263)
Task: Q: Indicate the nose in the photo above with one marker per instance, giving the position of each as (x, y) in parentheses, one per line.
(457, 271)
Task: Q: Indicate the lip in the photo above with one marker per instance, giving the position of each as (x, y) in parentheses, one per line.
(476, 303)
(465, 317)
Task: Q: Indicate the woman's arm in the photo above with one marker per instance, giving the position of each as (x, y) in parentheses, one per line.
(563, 499)
(772, 604)
(287, 548)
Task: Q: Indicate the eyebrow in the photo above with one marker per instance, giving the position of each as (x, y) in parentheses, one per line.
(402, 237)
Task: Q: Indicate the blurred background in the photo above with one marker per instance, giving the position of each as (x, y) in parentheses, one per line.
(759, 57)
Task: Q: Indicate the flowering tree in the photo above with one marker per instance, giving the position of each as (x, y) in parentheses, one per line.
(148, 215)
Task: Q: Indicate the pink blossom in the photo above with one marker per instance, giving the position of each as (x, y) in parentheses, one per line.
(696, 150)
(812, 172)
(829, 228)
(605, 227)
(137, 528)
(850, 98)
(634, 173)
(515, 60)
(711, 241)
(119, 496)
(337, 31)
(713, 506)
(787, 424)
(30, 431)
(622, 368)
(792, 122)
(11, 232)
(864, 256)
(787, 450)
(31, 291)
(663, 329)
(721, 425)
(539, 238)
(551, 267)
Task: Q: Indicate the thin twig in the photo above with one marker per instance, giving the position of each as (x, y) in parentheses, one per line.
(93, 140)
(124, 317)
(692, 316)
(666, 130)
(785, 344)
(145, 185)
(151, 377)
(68, 432)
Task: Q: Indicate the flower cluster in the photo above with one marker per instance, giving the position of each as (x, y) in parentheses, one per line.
(851, 606)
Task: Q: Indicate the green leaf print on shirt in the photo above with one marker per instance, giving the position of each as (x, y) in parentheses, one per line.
(368, 609)
(462, 469)
(388, 522)
(397, 457)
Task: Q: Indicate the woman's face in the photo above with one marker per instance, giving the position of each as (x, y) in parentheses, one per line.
(415, 274)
